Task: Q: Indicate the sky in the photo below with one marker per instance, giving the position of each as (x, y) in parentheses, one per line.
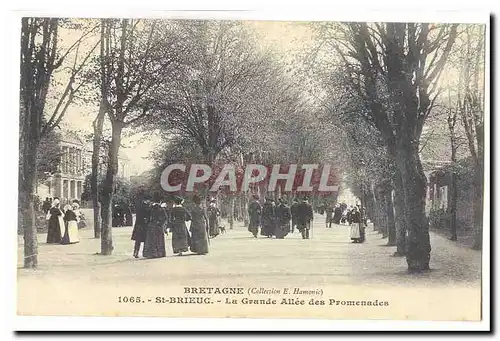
(286, 38)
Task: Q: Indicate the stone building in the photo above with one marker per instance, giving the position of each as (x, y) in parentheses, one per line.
(75, 165)
(67, 182)
(439, 195)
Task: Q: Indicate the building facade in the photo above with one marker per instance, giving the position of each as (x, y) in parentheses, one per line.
(67, 182)
(75, 165)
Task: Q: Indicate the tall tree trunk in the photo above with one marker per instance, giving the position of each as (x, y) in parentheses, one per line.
(414, 183)
(27, 204)
(399, 215)
(391, 224)
(108, 189)
(94, 180)
(376, 213)
(231, 211)
(370, 204)
(453, 206)
(454, 191)
(381, 221)
(478, 208)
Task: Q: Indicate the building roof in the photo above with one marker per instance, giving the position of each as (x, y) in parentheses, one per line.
(71, 137)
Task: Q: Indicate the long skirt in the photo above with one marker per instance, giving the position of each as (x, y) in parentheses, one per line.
(154, 246)
(213, 227)
(253, 226)
(71, 233)
(336, 218)
(355, 232)
(199, 240)
(180, 238)
(267, 229)
(139, 233)
(282, 230)
(56, 230)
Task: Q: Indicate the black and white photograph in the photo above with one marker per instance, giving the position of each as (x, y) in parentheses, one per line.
(225, 166)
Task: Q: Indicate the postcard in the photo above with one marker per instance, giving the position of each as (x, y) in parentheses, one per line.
(206, 166)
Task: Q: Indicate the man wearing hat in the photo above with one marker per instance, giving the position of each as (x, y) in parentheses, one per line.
(268, 218)
(283, 217)
(254, 212)
(304, 217)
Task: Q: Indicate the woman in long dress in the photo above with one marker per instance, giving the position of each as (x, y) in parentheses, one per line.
(355, 220)
(56, 226)
(141, 222)
(154, 246)
(71, 231)
(213, 219)
(198, 229)
(180, 234)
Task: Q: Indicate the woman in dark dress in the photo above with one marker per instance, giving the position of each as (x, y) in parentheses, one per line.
(154, 246)
(268, 218)
(56, 224)
(198, 229)
(213, 219)
(141, 222)
(180, 234)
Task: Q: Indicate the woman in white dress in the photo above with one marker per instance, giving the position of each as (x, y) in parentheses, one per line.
(71, 232)
(356, 226)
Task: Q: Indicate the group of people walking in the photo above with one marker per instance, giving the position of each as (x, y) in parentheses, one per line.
(63, 222)
(274, 220)
(341, 213)
(154, 220)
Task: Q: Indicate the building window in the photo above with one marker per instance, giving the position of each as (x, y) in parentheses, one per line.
(65, 191)
(72, 194)
(64, 159)
(79, 190)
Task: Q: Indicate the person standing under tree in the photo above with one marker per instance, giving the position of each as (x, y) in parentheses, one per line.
(46, 206)
(268, 218)
(357, 228)
(213, 218)
(56, 225)
(329, 215)
(154, 245)
(141, 222)
(180, 233)
(254, 212)
(305, 217)
(199, 228)
(71, 231)
(337, 214)
(283, 217)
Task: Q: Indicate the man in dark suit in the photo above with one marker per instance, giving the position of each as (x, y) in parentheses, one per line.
(304, 218)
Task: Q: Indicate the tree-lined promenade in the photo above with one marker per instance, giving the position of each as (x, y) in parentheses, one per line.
(358, 100)
(327, 261)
